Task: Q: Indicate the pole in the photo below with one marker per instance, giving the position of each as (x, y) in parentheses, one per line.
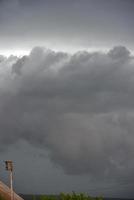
(11, 184)
(9, 167)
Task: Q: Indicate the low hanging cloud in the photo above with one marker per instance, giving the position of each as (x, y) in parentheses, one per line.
(79, 107)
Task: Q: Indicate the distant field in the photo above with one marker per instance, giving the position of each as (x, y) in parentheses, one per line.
(38, 197)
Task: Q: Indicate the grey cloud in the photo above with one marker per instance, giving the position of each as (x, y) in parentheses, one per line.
(79, 107)
(66, 24)
(16, 68)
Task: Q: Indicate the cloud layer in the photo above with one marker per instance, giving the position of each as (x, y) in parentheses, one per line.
(79, 107)
(65, 25)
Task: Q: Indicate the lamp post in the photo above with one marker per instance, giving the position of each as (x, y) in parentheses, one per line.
(9, 167)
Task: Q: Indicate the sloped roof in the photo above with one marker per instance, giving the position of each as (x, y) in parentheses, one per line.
(6, 193)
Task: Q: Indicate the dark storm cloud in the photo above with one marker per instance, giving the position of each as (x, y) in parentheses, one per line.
(59, 24)
(79, 107)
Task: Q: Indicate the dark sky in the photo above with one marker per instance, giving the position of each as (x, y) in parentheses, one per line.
(66, 25)
(67, 98)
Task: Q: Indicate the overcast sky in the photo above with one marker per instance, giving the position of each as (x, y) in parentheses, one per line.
(65, 25)
(67, 95)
